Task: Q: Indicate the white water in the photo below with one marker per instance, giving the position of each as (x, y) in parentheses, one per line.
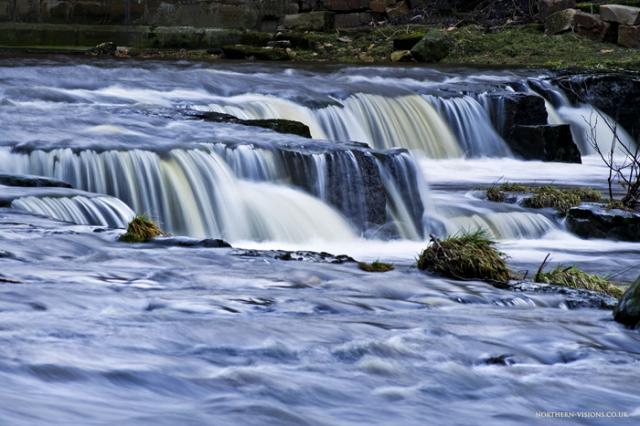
(189, 192)
(101, 211)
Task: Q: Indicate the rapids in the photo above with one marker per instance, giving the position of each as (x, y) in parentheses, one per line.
(97, 332)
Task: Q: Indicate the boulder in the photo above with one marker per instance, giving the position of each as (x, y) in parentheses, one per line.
(549, 7)
(433, 47)
(629, 36)
(407, 41)
(512, 109)
(560, 22)
(590, 221)
(311, 21)
(401, 56)
(628, 310)
(243, 51)
(623, 15)
(545, 143)
(590, 25)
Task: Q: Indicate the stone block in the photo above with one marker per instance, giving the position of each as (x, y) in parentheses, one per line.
(623, 15)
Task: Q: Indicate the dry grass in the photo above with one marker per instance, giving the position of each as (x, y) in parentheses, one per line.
(469, 256)
(141, 230)
(573, 277)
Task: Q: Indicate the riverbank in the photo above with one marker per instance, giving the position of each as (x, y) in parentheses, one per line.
(518, 46)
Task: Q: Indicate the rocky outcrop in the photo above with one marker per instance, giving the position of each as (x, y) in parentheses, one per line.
(598, 222)
(432, 47)
(616, 94)
(545, 143)
(277, 125)
(628, 310)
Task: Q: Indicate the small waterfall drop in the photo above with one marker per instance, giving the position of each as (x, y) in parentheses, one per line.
(100, 211)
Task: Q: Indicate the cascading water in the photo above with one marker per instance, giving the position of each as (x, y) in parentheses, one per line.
(190, 192)
(101, 211)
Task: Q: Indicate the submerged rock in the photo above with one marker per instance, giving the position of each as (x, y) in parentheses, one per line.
(627, 311)
(300, 256)
(590, 221)
(277, 125)
(31, 181)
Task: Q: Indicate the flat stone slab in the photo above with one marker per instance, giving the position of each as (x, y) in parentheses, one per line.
(624, 15)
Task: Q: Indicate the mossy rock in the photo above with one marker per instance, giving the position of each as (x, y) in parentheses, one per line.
(408, 40)
(141, 230)
(470, 256)
(573, 277)
(376, 266)
(243, 51)
(433, 47)
(628, 310)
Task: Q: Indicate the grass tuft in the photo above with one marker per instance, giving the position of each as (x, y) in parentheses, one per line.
(376, 266)
(466, 256)
(573, 277)
(496, 195)
(513, 187)
(141, 230)
(561, 199)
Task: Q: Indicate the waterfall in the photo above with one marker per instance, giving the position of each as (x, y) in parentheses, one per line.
(383, 122)
(101, 211)
(241, 193)
(472, 126)
(501, 225)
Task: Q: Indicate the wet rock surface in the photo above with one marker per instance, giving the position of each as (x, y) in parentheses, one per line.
(598, 222)
(31, 181)
(627, 310)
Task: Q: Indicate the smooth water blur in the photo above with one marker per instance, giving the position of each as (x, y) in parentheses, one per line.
(175, 332)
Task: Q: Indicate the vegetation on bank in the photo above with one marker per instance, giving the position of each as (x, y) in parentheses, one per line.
(466, 256)
(141, 230)
(376, 266)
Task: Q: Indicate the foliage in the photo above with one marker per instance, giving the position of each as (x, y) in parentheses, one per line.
(469, 255)
(514, 187)
(573, 277)
(141, 230)
(494, 194)
(376, 266)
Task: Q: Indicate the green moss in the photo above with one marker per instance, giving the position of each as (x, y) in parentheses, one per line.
(616, 205)
(573, 277)
(467, 256)
(376, 266)
(141, 230)
(514, 187)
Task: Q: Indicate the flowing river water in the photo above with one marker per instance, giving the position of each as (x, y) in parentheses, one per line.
(94, 331)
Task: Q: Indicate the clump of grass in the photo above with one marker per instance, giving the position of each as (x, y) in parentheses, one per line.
(376, 266)
(561, 199)
(513, 187)
(466, 256)
(587, 194)
(141, 230)
(549, 196)
(494, 194)
(573, 277)
(616, 205)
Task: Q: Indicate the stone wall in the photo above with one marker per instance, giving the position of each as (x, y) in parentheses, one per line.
(263, 15)
(252, 14)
